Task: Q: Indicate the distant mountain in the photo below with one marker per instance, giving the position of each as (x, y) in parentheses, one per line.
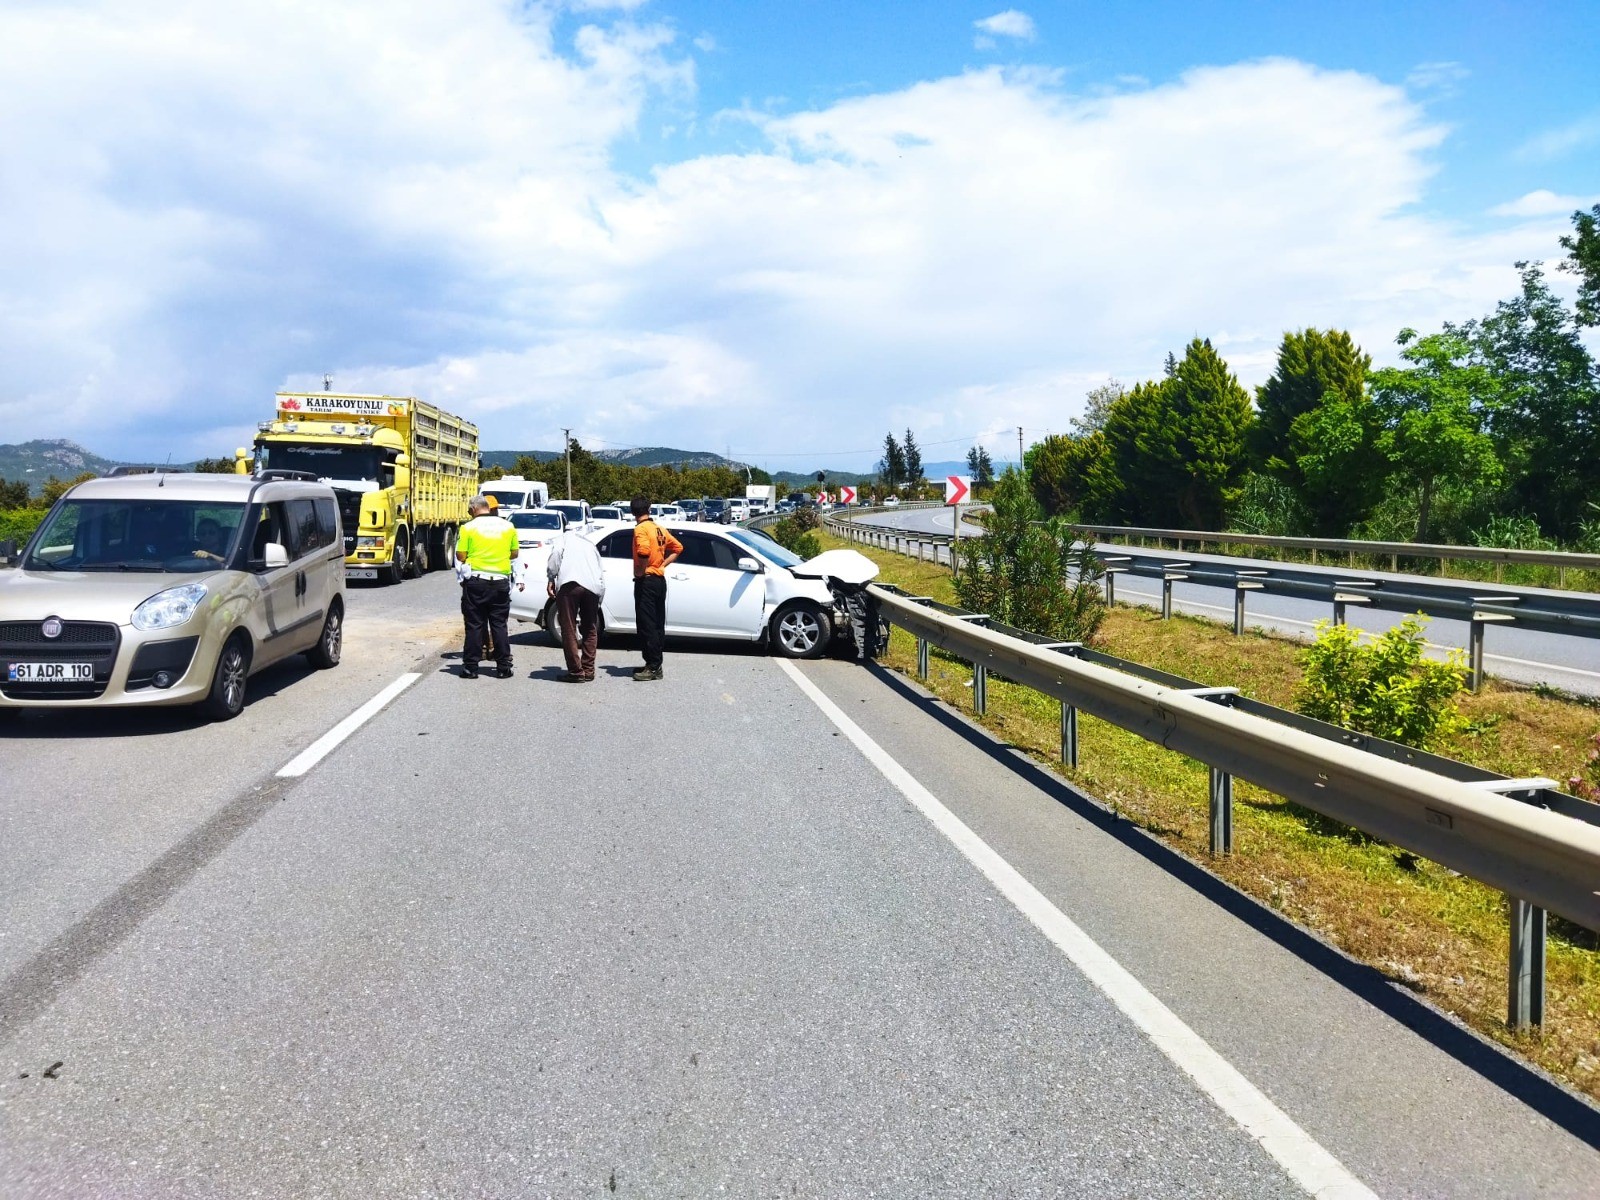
(34, 462)
(666, 456)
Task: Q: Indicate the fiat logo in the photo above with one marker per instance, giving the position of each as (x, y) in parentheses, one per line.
(51, 627)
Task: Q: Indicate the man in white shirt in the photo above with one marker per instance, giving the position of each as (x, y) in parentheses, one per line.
(577, 581)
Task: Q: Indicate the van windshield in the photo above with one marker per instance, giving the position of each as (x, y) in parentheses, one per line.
(136, 535)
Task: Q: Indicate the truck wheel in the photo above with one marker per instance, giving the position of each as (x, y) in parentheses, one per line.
(447, 548)
(420, 562)
(400, 566)
(226, 698)
(325, 654)
(801, 631)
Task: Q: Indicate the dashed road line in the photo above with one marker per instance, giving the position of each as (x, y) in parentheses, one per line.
(330, 741)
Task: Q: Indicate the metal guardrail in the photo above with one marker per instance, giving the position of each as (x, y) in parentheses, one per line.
(1477, 604)
(1500, 557)
(1522, 836)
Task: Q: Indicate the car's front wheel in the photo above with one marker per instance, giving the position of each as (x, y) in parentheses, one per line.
(801, 631)
(226, 698)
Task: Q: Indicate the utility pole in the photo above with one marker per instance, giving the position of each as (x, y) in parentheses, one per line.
(1019, 447)
(566, 435)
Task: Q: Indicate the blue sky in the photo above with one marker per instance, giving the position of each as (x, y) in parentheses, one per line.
(781, 229)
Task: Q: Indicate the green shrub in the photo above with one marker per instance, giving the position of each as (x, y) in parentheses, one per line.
(1386, 688)
(792, 535)
(19, 523)
(1029, 575)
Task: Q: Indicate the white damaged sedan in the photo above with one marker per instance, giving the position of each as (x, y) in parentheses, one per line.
(728, 583)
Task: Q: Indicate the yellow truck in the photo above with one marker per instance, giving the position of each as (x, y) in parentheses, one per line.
(402, 469)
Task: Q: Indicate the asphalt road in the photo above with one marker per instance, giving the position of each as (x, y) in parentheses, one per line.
(520, 938)
(1525, 656)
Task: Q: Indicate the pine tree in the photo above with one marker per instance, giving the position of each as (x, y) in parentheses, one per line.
(913, 460)
(1177, 446)
(1316, 429)
(892, 467)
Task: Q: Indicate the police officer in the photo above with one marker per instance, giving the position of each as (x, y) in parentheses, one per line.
(486, 547)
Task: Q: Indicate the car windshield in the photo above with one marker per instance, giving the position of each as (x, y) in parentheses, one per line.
(605, 513)
(572, 509)
(325, 462)
(763, 545)
(536, 520)
(136, 535)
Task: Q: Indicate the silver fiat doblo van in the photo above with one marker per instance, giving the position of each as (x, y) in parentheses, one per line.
(171, 589)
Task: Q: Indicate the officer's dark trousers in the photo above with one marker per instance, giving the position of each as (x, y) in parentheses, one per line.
(485, 602)
(650, 609)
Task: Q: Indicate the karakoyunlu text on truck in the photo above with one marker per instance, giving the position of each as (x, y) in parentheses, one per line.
(403, 471)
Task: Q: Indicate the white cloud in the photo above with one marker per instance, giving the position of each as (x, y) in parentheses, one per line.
(204, 203)
(1562, 141)
(1440, 78)
(1010, 23)
(1543, 203)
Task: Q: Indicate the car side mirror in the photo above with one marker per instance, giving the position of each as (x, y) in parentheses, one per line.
(749, 564)
(276, 554)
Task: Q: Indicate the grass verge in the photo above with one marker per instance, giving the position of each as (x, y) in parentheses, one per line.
(1435, 932)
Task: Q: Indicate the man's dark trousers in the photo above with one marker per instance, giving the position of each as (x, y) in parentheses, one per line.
(580, 627)
(486, 601)
(650, 610)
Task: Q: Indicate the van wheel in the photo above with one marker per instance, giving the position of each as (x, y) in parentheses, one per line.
(226, 698)
(325, 654)
(801, 631)
(400, 566)
(552, 623)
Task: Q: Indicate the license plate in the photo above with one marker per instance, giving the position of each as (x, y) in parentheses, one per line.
(361, 572)
(50, 673)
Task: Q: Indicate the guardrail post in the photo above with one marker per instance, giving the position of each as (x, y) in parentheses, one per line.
(1069, 735)
(1480, 622)
(922, 659)
(980, 689)
(1240, 587)
(1221, 812)
(1167, 580)
(1525, 1001)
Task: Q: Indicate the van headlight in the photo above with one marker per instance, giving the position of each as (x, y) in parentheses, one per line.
(171, 607)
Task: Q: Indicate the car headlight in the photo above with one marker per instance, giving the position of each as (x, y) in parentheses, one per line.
(171, 607)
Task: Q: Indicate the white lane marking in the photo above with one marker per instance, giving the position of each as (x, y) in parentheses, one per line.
(328, 742)
(1306, 1162)
(1521, 662)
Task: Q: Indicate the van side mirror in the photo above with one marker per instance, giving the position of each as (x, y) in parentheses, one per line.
(276, 554)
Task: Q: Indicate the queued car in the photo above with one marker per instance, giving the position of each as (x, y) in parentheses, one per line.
(691, 509)
(715, 512)
(168, 589)
(576, 512)
(738, 509)
(611, 514)
(728, 583)
(669, 514)
(537, 527)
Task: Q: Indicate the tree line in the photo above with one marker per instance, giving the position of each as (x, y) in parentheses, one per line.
(600, 482)
(1487, 431)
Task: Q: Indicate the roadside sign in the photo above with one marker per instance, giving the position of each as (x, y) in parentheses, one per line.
(956, 488)
(847, 495)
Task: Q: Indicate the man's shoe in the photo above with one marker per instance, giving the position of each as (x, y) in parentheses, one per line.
(571, 677)
(504, 672)
(469, 672)
(647, 674)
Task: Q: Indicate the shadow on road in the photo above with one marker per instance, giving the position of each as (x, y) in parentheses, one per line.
(1527, 1083)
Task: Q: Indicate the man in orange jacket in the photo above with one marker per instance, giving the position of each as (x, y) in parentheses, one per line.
(654, 550)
